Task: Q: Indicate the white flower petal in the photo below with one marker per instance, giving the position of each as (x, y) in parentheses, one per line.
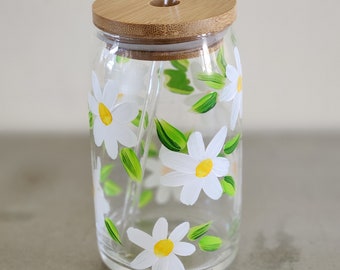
(144, 260)
(160, 230)
(238, 60)
(184, 249)
(177, 179)
(232, 73)
(235, 111)
(175, 263)
(161, 264)
(96, 87)
(221, 166)
(111, 145)
(110, 94)
(93, 105)
(196, 146)
(216, 144)
(147, 258)
(212, 187)
(102, 207)
(190, 193)
(177, 161)
(125, 112)
(98, 131)
(140, 238)
(124, 135)
(179, 232)
(228, 92)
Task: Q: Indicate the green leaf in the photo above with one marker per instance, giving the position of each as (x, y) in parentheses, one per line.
(91, 120)
(112, 230)
(206, 103)
(136, 121)
(197, 231)
(111, 188)
(153, 151)
(210, 243)
(214, 80)
(231, 145)
(171, 137)
(105, 172)
(233, 39)
(121, 59)
(131, 164)
(221, 62)
(180, 64)
(228, 185)
(145, 198)
(177, 82)
(146, 120)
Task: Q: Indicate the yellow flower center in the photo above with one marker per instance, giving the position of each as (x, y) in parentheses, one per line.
(204, 168)
(105, 114)
(239, 84)
(163, 248)
(165, 170)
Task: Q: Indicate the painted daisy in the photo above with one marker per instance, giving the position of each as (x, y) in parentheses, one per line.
(233, 91)
(102, 207)
(111, 122)
(196, 69)
(131, 78)
(201, 88)
(163, 193)
(199, 169)
(160, 249)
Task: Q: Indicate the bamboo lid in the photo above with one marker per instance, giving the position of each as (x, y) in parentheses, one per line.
(151, 22)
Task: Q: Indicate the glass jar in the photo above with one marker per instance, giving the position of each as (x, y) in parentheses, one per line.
(165, 118)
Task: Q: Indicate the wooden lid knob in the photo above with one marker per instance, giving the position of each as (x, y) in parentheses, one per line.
(151, 22)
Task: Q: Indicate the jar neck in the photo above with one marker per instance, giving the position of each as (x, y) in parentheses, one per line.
(157, 50)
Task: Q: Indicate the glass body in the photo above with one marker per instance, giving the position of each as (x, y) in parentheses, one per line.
(166, 152)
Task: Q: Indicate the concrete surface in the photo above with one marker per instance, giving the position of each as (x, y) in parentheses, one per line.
(290, 220)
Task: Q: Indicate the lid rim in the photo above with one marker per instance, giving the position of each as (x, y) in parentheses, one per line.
(179, 25)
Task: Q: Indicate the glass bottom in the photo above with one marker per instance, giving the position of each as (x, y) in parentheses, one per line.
(118, 257)
(223, 265)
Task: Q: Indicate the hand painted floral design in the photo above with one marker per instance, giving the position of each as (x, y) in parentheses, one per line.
(163, 193)
(111, 121)
(233, 91)
(161, 250)
(199, 169)
(196, 68)
(130, 78)
(102, 207)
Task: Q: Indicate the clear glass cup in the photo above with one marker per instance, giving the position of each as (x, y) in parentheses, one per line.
(165, 118)
(165, 124)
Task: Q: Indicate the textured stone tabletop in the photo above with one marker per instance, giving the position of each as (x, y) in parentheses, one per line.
(290, 218)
